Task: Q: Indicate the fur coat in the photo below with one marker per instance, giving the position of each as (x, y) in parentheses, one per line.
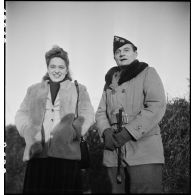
(64, 142)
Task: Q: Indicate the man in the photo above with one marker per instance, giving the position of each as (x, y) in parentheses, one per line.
(135, 90)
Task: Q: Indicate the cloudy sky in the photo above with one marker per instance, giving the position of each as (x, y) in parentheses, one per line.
(160, 30)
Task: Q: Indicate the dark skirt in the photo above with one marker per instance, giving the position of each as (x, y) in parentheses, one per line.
(52, 175)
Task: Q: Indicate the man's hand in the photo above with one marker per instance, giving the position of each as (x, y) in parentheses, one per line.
(109, 141)
(122, 137)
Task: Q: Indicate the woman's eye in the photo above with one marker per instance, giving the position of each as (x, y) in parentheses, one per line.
(52, 66)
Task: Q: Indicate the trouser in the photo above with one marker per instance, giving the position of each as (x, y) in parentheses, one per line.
(145, 178)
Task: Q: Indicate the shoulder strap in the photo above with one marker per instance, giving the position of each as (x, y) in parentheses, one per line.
(77, 88)
(76, 110)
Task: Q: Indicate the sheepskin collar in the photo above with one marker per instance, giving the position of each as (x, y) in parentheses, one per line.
(126, 72)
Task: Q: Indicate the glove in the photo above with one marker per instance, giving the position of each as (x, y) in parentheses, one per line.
(64, 131)
(122, 137)
(109, 141)
(35, 149)
(77, 125)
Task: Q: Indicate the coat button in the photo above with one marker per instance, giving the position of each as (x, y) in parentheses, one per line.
(52, 120)
(139, 126)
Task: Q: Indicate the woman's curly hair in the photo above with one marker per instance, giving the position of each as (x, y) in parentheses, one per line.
(57, 51)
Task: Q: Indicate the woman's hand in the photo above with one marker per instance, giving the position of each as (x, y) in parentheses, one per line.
(64, 131)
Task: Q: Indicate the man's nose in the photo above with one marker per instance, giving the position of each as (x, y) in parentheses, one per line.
(121, 54)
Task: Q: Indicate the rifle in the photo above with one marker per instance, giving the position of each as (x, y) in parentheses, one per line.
(119, 153)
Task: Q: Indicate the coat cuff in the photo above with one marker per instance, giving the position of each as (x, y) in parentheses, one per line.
(136, 130)
(103, 129)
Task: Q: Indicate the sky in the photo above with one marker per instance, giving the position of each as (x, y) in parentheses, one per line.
(160, 30)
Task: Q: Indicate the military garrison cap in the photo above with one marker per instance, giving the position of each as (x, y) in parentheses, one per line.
(119, 42)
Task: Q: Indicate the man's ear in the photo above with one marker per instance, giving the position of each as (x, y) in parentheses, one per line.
(136, 54)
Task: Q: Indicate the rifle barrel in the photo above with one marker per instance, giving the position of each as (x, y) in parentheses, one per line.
(118, 176)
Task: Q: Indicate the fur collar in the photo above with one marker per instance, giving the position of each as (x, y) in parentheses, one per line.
(126, 72)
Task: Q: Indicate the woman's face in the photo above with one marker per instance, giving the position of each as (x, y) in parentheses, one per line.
(57, 69)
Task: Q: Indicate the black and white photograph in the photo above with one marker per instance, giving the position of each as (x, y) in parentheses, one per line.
(97, 97)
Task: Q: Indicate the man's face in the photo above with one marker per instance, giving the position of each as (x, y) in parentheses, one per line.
(124, 55)
(57, 69)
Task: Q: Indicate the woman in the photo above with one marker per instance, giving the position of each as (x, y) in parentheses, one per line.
(46, 120)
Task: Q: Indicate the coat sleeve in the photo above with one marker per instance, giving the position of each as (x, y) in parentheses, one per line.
(101, 116)
(154, 106)
(85, 109)
(22, 120)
